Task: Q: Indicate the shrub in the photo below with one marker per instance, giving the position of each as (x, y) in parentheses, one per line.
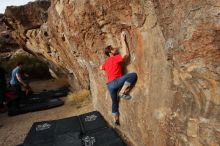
(78, 97)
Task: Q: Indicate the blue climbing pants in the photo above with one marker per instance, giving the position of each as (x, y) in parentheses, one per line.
(115, 85)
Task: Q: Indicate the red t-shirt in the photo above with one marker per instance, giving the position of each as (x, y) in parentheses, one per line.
(112, 67)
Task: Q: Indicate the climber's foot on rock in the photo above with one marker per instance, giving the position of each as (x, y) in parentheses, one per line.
(116, 123)
(125, 96)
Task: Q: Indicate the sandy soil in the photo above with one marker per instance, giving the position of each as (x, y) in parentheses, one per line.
(14, 129)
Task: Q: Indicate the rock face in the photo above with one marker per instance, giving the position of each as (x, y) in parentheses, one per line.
(8, 46)
(174, 47)
(7, 43)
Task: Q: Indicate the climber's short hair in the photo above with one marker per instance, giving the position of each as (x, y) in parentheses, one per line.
(108, 50)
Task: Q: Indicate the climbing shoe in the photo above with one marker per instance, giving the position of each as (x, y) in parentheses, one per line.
(116, 123)
(125, 96)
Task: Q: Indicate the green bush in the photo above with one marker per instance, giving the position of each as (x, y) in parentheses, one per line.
(35, 68)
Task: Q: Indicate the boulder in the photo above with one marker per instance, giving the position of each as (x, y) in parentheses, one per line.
(174, 48)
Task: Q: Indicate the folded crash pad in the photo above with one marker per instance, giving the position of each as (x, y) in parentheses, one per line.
(35, 104)
(37, 101)
(61, 92)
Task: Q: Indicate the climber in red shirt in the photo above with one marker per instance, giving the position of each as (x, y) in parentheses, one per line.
(115, 79)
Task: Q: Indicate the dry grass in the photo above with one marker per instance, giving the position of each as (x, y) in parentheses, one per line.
(78, 98)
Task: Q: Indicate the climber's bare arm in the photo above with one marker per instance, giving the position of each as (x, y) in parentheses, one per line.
(20, 80)
(124, 50)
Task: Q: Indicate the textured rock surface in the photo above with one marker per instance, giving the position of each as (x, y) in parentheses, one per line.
(175, 49)
(8, 46)
(193, 40)
(7, 43)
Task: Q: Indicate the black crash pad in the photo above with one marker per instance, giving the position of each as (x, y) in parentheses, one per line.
(41, 133)
(84, 130)
(63, 132)
(102, 137)
(35, 104)
(68, 139)
(71, 125)
(60, 92)
(92, 121)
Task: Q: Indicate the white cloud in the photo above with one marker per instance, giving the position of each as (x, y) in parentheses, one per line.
(5, 3)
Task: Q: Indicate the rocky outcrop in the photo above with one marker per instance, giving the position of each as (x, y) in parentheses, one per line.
(191, 30)
(27, 20)
(174, 48)
(8, 46)
(7, 43)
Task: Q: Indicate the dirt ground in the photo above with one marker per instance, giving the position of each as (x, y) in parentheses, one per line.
(14, 129)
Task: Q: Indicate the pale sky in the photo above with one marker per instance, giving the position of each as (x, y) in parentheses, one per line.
(5, 3)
